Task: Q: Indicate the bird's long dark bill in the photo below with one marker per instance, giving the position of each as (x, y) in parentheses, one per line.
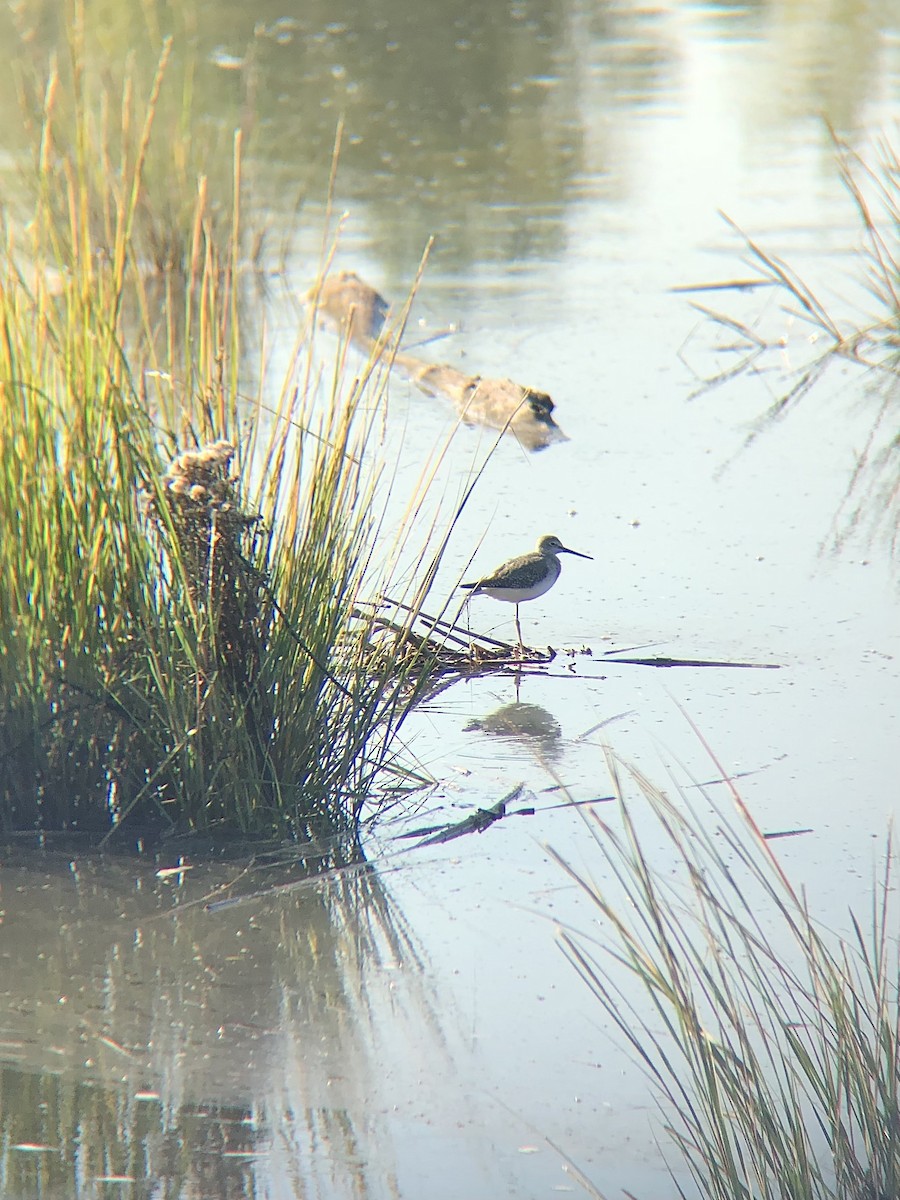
(577, 553)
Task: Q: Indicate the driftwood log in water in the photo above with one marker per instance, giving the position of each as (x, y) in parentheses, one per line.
(360, 313)
(357, 309)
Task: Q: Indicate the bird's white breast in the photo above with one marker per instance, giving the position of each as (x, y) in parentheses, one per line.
(518, 595)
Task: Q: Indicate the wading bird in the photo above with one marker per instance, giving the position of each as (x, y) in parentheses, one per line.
(526, 577)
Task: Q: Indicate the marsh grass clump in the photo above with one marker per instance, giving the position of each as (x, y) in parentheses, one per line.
(182, 565)
(773, 1043)
(106, 60)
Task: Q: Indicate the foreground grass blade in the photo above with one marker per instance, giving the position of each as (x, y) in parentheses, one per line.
(771, 1043)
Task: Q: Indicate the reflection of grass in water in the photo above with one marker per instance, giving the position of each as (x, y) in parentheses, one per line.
(279, 1008)
(773, 1044)
(81, 1134)
(189, 659)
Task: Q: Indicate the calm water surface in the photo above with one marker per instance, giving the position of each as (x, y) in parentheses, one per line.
(415, 1030)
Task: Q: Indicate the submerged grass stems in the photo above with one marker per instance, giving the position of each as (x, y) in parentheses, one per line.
(773, 1044)
(874, 187)
(177, 644)
(864, 330)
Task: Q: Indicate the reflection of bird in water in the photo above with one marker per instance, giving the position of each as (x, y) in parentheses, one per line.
(526, 577)
(527, 723)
